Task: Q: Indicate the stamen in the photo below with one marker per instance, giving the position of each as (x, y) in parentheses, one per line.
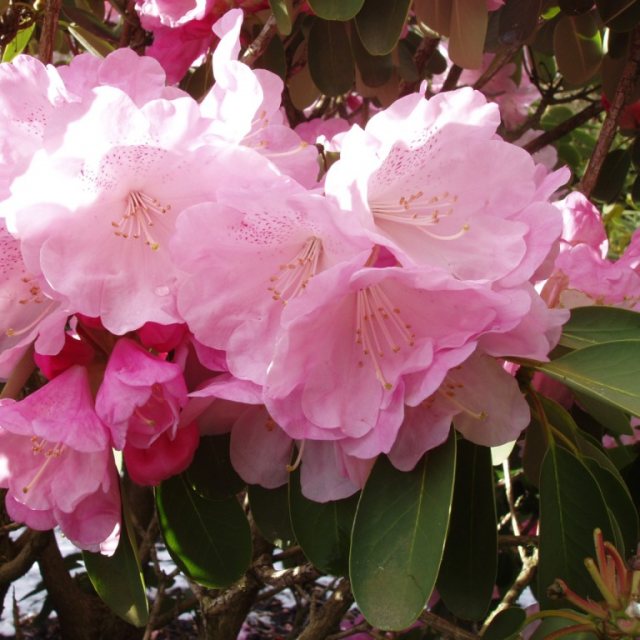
(448, 391)
(140, 214)
(149, 421)
(38, 447)
(298, 460)
(380, 329)
(294, 276)
(45, 310)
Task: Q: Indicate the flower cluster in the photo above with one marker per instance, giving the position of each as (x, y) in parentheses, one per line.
(180, 271)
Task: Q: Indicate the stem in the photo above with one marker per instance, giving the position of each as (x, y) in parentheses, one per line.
(19, 376)
(446, 628)
(325, 620)
(610, 125)
(423, 53)
(49, 28)
(452, 78)
(500, 60)
(258, 46)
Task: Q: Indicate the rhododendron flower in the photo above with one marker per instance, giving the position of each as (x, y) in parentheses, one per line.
(56, 462)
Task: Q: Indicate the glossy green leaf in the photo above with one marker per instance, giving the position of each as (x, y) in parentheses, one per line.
(282, 12)
(578, 47)
(18, 44)
(322, 529)
(302, 90)
(549, 625)
(380, 23)
(209, 540)
(612, 176)
(469, 19)
(336, 9)
(593, 325)
(270, 511)
(90, 41)
(211, 473)
(506, 625)
(518, 21)
(118, 580)
(619, 15)
(610, 417)
(470, 561)
(571, 507)
(609, 371)
(374, 70)
(436, 14)
(273, 59)
(330, 60)
(399, 535)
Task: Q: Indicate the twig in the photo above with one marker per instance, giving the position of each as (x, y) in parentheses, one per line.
(508, 487)
(446, 628)
(423, 53)
(327, 618)
(518, 541)
(49, 28)
(17, 566)
(499, 61)
(452, 78)
(567, 126)
(259, 45)
(130, 25)
(610, 125)
(347, 633)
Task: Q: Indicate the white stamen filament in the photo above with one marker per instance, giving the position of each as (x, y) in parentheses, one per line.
(448, 391)
(298, 460)
(380, 328)
(45, 310)
(294, 276)
(139, 216)
(38, 447)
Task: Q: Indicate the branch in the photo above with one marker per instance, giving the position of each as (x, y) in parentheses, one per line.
(610, 125)
(326, 620)
(452, 78)
(567, 126)
(423, 53)
(259, 45)
(132, 33)
(49, 28)
(446, 628)
(15, 568)
(19, 376)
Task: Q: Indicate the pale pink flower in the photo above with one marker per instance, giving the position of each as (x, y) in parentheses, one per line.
(582, 224)
(56, 462)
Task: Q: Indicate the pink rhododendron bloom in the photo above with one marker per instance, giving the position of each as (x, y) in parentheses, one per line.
(74, 352)
(582, 224)
(327, 132)
(411, 177)
(56, 462)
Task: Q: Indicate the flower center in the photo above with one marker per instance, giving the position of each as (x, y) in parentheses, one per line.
(292, 277)
(140, 215)
(39, 446)
(380, 329)
(417, 211)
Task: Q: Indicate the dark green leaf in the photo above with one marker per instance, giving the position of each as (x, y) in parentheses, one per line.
(578, 47)
(274, 58)
(374, 70)
(612, 176)
(336, 9)
(609, 371)
(399, 535)
(612, 418)
(211, 474)
(575, 7)
(282, 12)
(90, 41)
(380, 23)
(330, 59)
(506, 625)
(470, 561)
(209, 540)
(518, 21)
(322, 529)
(619, 15)
(118, 580)
(87, 20)
(571, 507)
(18, 44)
(270, 510)
(593, 325)
(555, 624)
(469, 19)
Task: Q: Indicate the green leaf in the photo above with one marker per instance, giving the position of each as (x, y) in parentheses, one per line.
(612, 176)
(571, 507)
(270, 511)
(608, 416)
(594, 325)
(322, 529)
(380, 23)
(469, 19)
(336, 9)
(330, 59)
(619, 15)
(211, 474)
(18, 44)
(282, 12)
(609, 371)
(578, 47)
(506, 625)
(518, 21)
(470, 561)
(118, 580)
(399, 535)
(374, 70)
(548, 625)
(436, 14)
(209, 540)
(92, 43)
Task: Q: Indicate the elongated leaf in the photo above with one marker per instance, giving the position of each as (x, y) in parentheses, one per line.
(282, 12)
(118, 580)
(518, 20)
(470, 560)
(330, 59)
(270, 511)
(593, 325)
(578, 47)
(436, 14)
(91, 42)
(612, 176)
(399, 535)
(374, 70)
(18, 44)
(610, 417)
(209, 540)
(322, 529)
(336, 9)
(571, 507)
(608, 371)
(469, 19)
(506, 625)
(380, 23)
